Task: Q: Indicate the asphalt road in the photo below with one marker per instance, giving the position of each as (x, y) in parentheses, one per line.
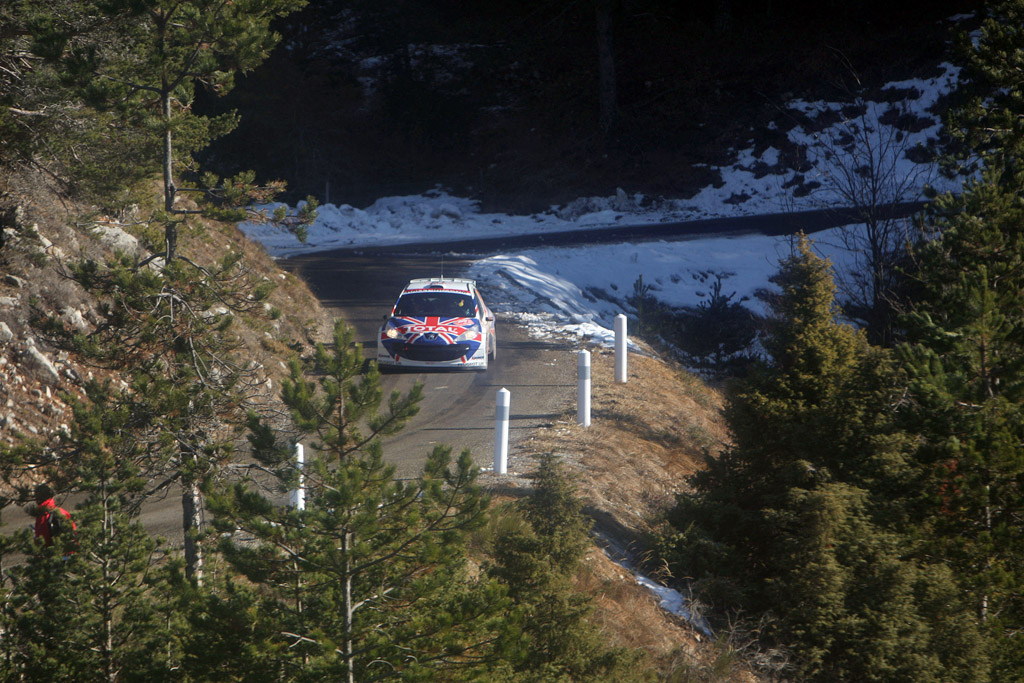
(360, 285)
(458, 406)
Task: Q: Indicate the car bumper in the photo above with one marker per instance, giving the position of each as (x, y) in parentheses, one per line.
(399, 354)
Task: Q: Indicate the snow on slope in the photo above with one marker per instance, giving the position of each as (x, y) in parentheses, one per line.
(580, 289)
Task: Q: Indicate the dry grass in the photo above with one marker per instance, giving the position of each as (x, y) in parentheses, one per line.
(646, 437)
(629, 615)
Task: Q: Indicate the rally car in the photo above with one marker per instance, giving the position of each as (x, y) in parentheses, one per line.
(438, 323)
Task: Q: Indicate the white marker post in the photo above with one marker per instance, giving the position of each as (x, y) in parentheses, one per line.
(583, 399)
(620, 348)
(297, 498)
(501, 417)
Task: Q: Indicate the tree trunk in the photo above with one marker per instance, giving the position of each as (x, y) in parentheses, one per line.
(983, 609)
(170, 228)
(346, 544)
(191, 507)
(723, 16)
(607, 85)
(109, 668)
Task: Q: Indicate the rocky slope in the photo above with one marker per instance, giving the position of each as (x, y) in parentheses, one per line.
(41, 236)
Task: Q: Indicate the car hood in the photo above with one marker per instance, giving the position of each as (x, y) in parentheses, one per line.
(409, 325)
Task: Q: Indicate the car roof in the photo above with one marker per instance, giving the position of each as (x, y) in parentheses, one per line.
(440, 284)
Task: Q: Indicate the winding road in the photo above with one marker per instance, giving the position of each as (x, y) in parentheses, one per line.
(458, 406)
(361, 285)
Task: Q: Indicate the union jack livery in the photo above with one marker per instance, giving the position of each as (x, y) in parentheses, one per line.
(438, 322)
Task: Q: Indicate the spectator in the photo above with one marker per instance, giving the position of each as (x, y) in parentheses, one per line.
(51, 520)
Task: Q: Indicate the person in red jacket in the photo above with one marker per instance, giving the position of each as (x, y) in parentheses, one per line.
(45, 507)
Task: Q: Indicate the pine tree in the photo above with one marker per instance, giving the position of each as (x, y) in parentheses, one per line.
(370, 579)
(965, 361)
(816, 411)
(90, 607)
(42, 120)
(537, 560)
(801, 520)
(148, 71)
(964, 357)
(987, 122)
(171, 335)
(134, 67)
(101, 95)
(854, 605)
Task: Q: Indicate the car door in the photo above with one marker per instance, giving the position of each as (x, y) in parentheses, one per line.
(486, 316)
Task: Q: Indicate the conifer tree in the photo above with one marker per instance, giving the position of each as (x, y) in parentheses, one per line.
(800, 520)
(90, 608)
(140, 62)
(171, 335)
(136, 65)
(988, 121)
(148, 73)
(964, 352)
(537, 560)
(965, 361)
(369, 579)
(101, 95)
(41, 119)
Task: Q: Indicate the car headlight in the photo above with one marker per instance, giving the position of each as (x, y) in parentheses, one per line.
(471, 333)
(391, 332)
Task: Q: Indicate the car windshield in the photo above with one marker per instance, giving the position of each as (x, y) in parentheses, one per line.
(439, 304)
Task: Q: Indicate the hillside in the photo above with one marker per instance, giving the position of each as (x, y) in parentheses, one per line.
(626, 467)
(42, 235)
(646, 436)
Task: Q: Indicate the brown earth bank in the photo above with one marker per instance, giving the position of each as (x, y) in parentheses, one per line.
(646, 436)
(43, 236)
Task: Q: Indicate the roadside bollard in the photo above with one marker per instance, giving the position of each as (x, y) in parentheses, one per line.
(501, 417)
(297, 499)
(620, 348)
(583, 398)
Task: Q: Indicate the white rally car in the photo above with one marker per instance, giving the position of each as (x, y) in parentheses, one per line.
(438, 323)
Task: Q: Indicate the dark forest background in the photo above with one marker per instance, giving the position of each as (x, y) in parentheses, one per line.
(503, 101)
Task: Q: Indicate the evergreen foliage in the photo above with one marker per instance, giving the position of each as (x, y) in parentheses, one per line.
(45, 45)
(370, 579)
(718, 334)
(715, 336)
(965, 364)
(988, 122)
(797, 521)
(857, 556)
(101, 95)
(93, 606)
(170, 332)
(964, 356)
(536, 561)
(149, 71)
